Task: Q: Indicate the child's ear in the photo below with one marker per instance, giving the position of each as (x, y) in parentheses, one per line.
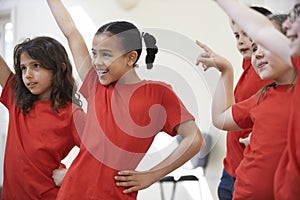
(132, 57)
(63, 66)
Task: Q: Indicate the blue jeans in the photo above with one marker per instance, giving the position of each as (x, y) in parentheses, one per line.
(225, 189)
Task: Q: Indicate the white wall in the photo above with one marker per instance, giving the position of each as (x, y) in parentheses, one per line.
(177, 24)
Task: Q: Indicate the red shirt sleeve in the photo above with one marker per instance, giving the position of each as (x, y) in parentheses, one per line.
(89, 85)
(176, 111)
(7, 97)
(241, 112)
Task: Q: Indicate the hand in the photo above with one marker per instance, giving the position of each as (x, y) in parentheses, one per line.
(245, 141)
(133, 180)
(58, 176)
(210, 59)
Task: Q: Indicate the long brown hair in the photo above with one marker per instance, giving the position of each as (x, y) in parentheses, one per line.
(52, 56)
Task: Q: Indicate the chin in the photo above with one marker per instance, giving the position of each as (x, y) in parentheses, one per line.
(295, 53)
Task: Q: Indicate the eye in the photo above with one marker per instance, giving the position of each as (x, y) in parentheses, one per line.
(237, 36)
(106, 55)
(93, 53)
(37, 65)
(254, 47)
(22, 68)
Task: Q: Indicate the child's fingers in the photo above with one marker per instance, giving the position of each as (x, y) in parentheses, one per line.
(204, 46)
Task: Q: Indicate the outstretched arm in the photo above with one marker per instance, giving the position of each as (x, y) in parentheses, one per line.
(76, 42)
(191, 143)
(258, 27)
(4, 72)
(224, 97)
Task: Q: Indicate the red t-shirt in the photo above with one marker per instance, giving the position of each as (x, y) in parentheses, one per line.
(122, 121)
(287, 177)
(269, 120)
(249, 83)
(36, 143)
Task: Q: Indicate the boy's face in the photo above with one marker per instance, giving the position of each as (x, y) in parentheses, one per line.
(243, 42)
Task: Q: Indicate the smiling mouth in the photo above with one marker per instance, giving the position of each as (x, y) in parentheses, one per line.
(244, 50)
(261, 65)
(102, 72)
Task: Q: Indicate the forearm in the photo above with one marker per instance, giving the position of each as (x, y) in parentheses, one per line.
(188, 147)
(4, 71)
(75, 40)
(62, 17)
(223, 98)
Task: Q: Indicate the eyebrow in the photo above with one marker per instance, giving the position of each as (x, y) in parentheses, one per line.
(253, 44)
(297, 5)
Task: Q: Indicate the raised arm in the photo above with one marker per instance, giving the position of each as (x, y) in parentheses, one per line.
(224, 97)
(258, 27)
(76, 42)
(191, 143)
(4, 72)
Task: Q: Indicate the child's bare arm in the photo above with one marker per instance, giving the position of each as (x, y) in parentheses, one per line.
(258, 27)
(4, 72)
(224, 95)
(191, 143)
(76, 42)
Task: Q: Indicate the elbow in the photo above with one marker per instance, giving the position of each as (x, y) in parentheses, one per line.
(198, 142)
(218, 122)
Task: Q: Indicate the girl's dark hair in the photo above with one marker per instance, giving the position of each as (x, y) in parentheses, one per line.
(52, 56)
(131, 39)
(264, 89)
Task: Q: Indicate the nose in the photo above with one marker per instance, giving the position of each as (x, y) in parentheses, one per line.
(28, 73)
(258, 54)
(98, 62)
(241, 40)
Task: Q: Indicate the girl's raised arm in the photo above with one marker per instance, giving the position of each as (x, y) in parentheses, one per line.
(258, 27)
(76, 42)
(4, 72)
(224, 97)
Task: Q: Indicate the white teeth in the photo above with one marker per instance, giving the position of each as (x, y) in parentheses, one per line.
(101, 72)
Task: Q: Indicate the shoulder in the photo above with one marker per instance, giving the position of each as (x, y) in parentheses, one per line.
(158, 84)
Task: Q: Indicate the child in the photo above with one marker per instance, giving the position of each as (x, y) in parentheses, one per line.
(41, 130)
(287, 178)
(124, 114)
(260, 157)
(249, 83)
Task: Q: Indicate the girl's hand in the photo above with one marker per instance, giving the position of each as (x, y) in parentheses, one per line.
(58, 176)
(134, 181)
(245, 141)
(210, 59)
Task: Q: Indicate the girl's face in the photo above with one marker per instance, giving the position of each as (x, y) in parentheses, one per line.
(36, 78)
(243, 42)
(269, 66)
(109, 59)
(292, 27)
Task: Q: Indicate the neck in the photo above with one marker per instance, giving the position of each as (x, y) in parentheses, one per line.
(287, 78)
(130, 77)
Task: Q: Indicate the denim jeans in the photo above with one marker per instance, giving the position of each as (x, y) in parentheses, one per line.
(225, 189)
